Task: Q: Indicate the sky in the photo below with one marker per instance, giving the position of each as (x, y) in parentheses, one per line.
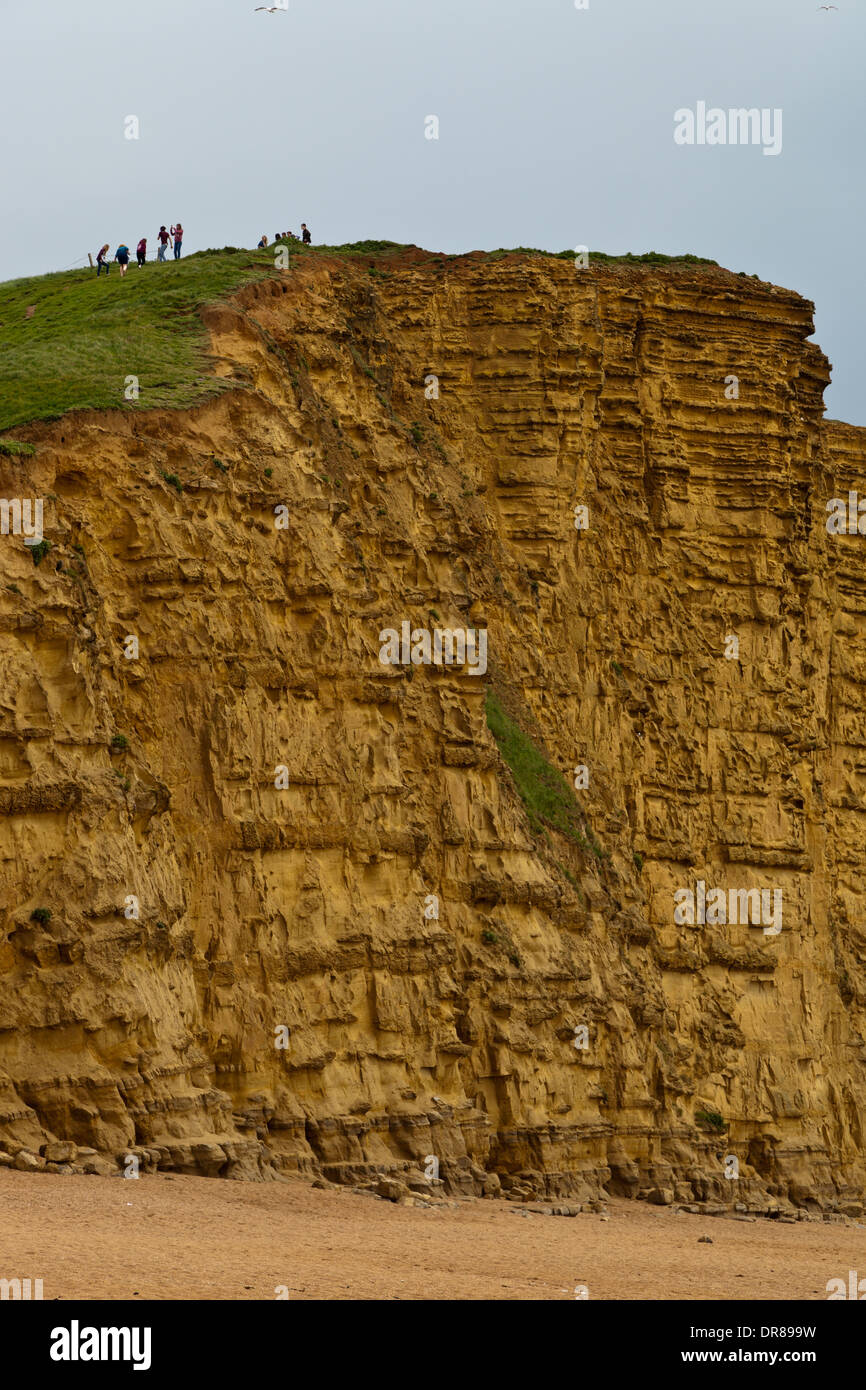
(556, 128)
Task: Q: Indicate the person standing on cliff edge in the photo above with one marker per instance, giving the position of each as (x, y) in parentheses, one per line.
(177, 233)
(306, 234)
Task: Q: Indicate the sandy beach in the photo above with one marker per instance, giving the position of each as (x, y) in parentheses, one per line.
(167, 1237)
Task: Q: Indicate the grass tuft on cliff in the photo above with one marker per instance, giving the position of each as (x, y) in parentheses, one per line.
(626, 258)
(548, 798)
(711, 1121)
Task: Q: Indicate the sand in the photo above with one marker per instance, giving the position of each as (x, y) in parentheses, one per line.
(172, 1237)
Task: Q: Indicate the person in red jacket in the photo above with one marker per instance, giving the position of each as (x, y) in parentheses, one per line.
(163, 239)
(141, 252)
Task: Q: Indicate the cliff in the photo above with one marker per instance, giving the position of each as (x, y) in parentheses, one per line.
(314, 912)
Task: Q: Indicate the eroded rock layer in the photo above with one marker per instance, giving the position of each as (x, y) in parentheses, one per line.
(283, 811)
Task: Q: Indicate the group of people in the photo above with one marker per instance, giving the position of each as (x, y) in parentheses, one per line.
(175, 235)
(288, 236)
(121, 255)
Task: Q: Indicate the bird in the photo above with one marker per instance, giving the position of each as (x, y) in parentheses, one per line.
(275, 9)
(828, 7)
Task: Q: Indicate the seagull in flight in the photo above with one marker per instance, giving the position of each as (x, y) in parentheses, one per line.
(275, 9)
(828, 7)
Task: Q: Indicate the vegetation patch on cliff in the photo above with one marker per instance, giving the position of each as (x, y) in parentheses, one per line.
(627, 257)
(548, 798)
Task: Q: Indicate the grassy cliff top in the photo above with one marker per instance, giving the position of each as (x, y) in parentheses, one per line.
(85, 335)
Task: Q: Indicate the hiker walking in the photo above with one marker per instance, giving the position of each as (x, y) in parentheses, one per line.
(177, 233)
(121, 255)
(162, 238)
(141, 252)
(306, 234)
(101, 262)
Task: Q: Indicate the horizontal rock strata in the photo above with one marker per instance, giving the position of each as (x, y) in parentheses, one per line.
(255, 833)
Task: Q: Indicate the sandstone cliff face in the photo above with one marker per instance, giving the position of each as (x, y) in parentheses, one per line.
(304, 900)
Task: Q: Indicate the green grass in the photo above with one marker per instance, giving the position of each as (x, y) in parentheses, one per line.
(88, 335)
(711, 1120)
(627, 258)
(547, 796)
(566, 873)
(361, 248)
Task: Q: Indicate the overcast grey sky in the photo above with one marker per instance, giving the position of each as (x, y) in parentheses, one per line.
(556, 129)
